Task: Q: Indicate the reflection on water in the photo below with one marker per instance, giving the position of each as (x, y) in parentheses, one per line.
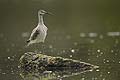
(37, 76)
(48, 75)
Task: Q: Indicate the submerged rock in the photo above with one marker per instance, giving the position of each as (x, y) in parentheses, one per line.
(40, 65)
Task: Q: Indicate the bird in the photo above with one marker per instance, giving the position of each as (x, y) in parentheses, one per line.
(39, 33)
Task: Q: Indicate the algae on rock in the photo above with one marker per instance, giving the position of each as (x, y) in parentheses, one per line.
(31, 63)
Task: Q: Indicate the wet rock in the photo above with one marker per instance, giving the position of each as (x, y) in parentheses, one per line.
(41, 64)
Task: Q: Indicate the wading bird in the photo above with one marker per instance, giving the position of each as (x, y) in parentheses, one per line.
(39, 33)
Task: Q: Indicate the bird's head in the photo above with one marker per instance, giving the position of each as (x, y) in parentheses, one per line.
(42, 12)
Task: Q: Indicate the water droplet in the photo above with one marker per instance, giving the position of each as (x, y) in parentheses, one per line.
(72, 50)
(108, 72)
(116, 41)
(89, 53)
(25, 34)
(3, 73)
(119, 62)
(92, 34)
(12, 45)
(92, 41)
(75, 43)
(97, 56)
(104, 60)
(107, 61)
(82, 78)
(58, 76)
(101, 36)
(9, 57)
(82, 34)
(94, 78)
(101, 53)
(63, 51)
(91, 70)
(98, 50)
(12, 71)
(50, 46)
(113, 33)
(97, 70)
(101, 75)
(88, 59)
(8, 50)
(68, 37)
(113, 60)
(71, 56)
(103, 79)
(116, 54)
(112, 51)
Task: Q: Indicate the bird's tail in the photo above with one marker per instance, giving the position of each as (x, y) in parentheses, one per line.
(28, 41)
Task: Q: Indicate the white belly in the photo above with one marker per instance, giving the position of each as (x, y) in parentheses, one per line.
(42, 34)
(41, 37)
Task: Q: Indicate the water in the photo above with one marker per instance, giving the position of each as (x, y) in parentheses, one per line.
(83, 30)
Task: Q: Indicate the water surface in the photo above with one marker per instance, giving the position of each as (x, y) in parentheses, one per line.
(83, 30)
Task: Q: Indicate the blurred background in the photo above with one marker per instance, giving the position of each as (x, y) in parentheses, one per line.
(86, 30)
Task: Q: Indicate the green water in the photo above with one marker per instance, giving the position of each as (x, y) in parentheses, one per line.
(85, 30)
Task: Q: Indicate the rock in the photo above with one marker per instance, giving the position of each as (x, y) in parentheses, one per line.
(31, 63)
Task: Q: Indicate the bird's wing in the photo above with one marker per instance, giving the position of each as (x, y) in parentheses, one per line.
(34, 34)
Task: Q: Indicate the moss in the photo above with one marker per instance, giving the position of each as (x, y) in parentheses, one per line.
(38, 63)
(32, 61)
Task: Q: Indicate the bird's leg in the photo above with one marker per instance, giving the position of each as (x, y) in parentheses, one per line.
(39, 48)
(42, 47)
(36, 49)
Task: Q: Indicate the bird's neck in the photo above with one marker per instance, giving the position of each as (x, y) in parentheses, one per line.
(40, 19)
